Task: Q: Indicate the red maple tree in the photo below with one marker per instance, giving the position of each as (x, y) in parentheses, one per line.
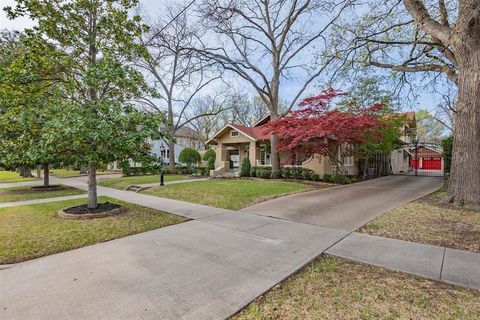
(319, 127)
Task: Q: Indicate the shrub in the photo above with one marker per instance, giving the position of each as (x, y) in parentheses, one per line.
(297, 173)
(315, 177)
(189, 156)
(211, 164)
(286, 173)
(209, 154)
(277, 174)
(341, 179)
(264, 173)
(307, 174)
(253, 172)
(245, 168)
(327, 177)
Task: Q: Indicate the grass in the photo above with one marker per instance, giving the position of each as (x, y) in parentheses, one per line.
(32, 231)
(66, 173)
(425, 221)
(11, 176)
(123, 182)
(331, 288)
(231, 194)
(27, 193)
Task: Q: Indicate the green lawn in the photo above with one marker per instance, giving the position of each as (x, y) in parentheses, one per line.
(337, 289)
(11, 176)
(32, 231)
(123, 182)
(27, 193)
(231, 194)
(66, 173)
(424, 220)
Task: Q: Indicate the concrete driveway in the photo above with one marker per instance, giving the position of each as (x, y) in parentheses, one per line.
(348, 207)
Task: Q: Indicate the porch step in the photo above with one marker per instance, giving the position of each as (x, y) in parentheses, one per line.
(135, 189)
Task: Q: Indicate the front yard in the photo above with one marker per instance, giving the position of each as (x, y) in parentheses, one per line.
(27, 193)
(425, 221)
(231, 194)
(67, 173)
(124, 182)
(32, 231)
(10, 176)
(335, 289)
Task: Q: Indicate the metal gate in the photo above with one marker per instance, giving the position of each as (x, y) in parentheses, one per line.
(418, 159)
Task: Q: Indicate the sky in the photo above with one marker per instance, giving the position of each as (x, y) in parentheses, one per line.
(426, 100)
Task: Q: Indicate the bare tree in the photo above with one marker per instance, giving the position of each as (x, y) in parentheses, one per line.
(440, 39)
(265, 41)
(177, 75)
(446, 109)
(205, 119)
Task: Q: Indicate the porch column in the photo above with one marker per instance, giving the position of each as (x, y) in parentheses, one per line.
(219, 155)
(252, 153)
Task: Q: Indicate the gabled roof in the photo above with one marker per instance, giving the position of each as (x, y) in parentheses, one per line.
(253, 133)
(262, 121)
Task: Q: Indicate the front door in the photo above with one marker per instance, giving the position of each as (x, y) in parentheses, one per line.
(234, 158)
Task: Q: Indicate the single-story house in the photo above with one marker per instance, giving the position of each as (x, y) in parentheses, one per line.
(236, 142)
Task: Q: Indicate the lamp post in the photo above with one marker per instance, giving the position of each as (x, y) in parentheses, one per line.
(162, 149)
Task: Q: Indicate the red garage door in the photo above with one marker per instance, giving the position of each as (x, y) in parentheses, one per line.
(432, 164)
(415, 164)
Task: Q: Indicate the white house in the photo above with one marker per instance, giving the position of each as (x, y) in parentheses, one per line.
(186, 138)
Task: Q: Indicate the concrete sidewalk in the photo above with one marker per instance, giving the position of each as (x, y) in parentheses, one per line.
(20, 184)
(456, 267)
(45, 200)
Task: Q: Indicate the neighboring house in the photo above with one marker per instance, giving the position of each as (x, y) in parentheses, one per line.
(186, 138)
(400, 157)
(235, 142)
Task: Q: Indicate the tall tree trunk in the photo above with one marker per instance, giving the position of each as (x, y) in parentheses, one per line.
(46, 174)
(25, 172)
(92, 186)
(171, 154)
(464, 184)
(275, 155)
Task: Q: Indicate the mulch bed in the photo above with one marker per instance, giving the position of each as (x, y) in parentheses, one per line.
(83, 209)
(30, 190)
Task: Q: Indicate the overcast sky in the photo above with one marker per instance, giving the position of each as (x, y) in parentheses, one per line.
(153, 7)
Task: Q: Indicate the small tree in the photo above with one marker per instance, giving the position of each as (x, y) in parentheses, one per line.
(447, 146)
(211, 164)
(210, 153)
(320, 128)
(245, 168)
(189, 156)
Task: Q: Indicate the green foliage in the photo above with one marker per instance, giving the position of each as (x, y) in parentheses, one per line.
(189, 156)
(277, 174)
(210, 153)
(253, 172)
(327, 177)
(447, 146)
(286, 173)
(315, 177)
(340, 179)
(211, 164)
(245, 168)
(428, 128)
(263, 172)
(91, 45)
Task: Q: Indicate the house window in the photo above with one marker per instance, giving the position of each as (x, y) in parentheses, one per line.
(234, 133)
